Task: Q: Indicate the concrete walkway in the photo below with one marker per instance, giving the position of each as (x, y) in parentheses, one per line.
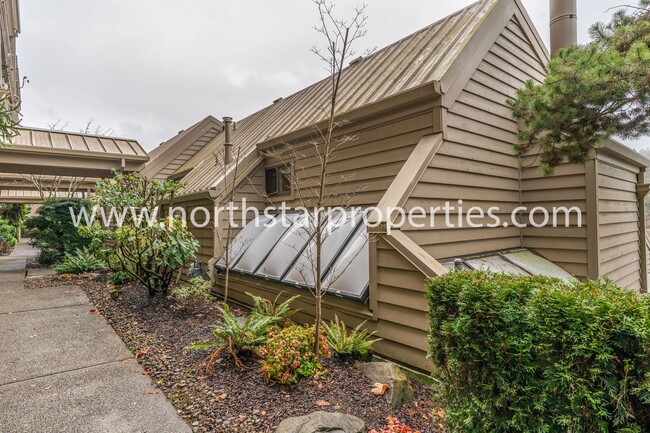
(64, 369)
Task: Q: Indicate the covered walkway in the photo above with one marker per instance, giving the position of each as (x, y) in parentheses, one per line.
(62, 162)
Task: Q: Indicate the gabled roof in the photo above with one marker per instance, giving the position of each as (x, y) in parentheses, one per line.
(419, 60)
(438, 59)
(172, 154)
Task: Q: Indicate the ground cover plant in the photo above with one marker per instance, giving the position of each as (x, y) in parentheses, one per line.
(289, 355)
(537, 354)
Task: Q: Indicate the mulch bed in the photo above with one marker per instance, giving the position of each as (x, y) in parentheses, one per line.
(232, 400)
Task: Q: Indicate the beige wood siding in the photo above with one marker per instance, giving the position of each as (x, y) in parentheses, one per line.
(618, 219)
(476, 163)
(400, 305)
(362, 169)
(565, 246)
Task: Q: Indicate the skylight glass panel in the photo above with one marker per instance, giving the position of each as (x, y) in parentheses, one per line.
(495, 263)
(242, 241)
(262, 245)
(349, 275)
(287, 249)
(338, 229)
(537, 265)
(451, 265)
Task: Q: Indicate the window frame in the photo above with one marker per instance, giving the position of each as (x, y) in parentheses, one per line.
(282, 171)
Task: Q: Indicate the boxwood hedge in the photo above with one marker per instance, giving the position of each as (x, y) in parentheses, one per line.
(537, 354)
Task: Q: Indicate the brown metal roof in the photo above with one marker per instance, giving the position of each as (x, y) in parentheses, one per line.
(173, 153)
(60, 153)
(64, 140)
(410, 63)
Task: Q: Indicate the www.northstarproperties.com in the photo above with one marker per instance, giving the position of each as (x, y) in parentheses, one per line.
(446, 215)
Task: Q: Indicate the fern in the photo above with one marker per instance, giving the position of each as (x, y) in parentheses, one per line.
(83, 260)
(356, 343)
(238, 339)
(279, 314)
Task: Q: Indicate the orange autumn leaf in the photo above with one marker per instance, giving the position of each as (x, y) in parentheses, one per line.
(323, 403)
(379, 388)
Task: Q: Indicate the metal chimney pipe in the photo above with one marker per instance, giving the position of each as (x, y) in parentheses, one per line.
(227, 126)
(564, 24)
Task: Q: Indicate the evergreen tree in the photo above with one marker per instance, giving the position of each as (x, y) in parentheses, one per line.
(590, 93)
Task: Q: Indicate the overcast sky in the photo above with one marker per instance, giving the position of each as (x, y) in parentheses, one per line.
(149, 68)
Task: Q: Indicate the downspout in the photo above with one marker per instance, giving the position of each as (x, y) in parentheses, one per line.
(642, 190)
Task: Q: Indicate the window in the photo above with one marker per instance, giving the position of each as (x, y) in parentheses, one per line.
(278, 181)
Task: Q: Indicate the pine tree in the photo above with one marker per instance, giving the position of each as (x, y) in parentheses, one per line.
(591, 92)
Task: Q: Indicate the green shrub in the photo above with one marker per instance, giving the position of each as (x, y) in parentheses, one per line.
(52, 230)
(346, 344)
(196, 288)
(536, 354)
(7, 236)
(150, 249)
(81, 261)
(120, 278)
(278, 313)
(238, 339)
(289, 354)
(15, 214)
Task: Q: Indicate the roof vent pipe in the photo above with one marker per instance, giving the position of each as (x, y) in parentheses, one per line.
(227, 145)
(564, 24)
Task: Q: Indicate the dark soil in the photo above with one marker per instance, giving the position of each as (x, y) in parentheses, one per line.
(34, 263)
(232, 400)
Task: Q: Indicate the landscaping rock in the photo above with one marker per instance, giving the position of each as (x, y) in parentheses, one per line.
(321, 422)
(400, 391)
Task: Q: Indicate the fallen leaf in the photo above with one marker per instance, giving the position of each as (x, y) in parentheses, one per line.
(152, 392)
(94, 311)
(323, 403)
(222, 396)
(145, 373)
(379, 388)
(140, 353)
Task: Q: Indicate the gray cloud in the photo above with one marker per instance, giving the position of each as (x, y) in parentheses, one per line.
(149, 68)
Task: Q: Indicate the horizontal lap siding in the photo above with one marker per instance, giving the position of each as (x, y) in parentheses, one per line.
(401, 307)
(565, 246)
(619, 242)
(361, 170)
(476, 162)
